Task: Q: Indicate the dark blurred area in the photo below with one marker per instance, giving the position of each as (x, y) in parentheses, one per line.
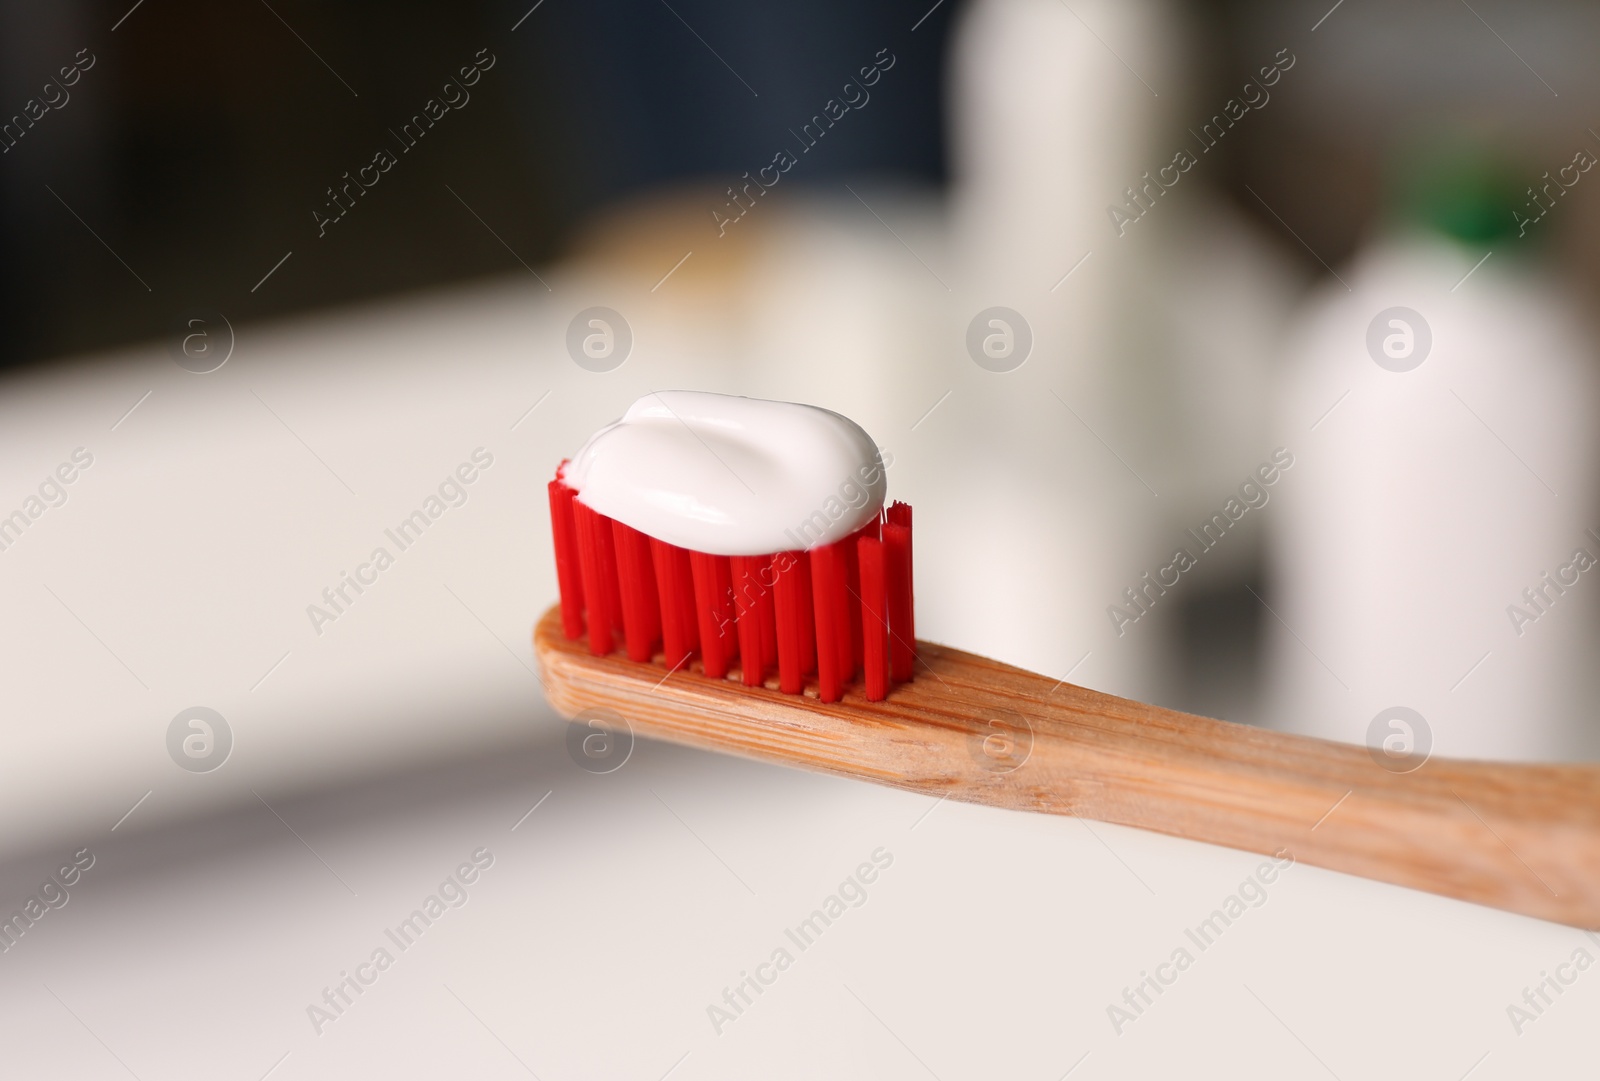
(189, 160)
(180, 167)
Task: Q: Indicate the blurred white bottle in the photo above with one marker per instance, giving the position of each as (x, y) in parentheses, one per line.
(1048, 127)
(1441, 414)
(1226, 299)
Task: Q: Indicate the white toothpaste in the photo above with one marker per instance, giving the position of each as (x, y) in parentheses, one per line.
(729, 475)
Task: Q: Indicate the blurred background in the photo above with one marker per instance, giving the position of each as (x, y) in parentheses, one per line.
(1236, 356)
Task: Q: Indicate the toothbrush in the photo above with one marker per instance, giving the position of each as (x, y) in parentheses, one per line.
(641, 514)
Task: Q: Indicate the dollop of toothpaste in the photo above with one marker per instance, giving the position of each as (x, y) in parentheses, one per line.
(729, 475)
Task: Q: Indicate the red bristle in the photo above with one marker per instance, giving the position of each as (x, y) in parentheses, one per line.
(636, 579)
(767, 610)
(903, 510)
(897, 576)
(747, 591)
(852, 607)
(899, 514)
(788, 596)
(873, 530)
(569, 575)
(676, 585)
(713, 596)
(874, 619)
(833, 639)
(597, 558)
(808, 616)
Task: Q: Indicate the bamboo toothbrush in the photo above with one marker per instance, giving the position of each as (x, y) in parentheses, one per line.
(758, 656)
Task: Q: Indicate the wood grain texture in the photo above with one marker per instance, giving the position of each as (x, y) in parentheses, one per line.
(1520, 837)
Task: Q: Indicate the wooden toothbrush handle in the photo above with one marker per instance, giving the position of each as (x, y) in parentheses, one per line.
(1520, 837)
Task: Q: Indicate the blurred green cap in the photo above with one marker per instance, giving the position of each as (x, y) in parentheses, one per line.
(1457, 187)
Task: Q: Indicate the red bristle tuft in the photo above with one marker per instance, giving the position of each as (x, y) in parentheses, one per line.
(636, 577)
(713, 604)
(874, 619)
(597, 558)
(675, 582)
(788, 596)
(747, 597)
(767, 610)
(833, 639)
(852, 607)
(569, 575)
(897, 577)
(837, 610)
(808, 616)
